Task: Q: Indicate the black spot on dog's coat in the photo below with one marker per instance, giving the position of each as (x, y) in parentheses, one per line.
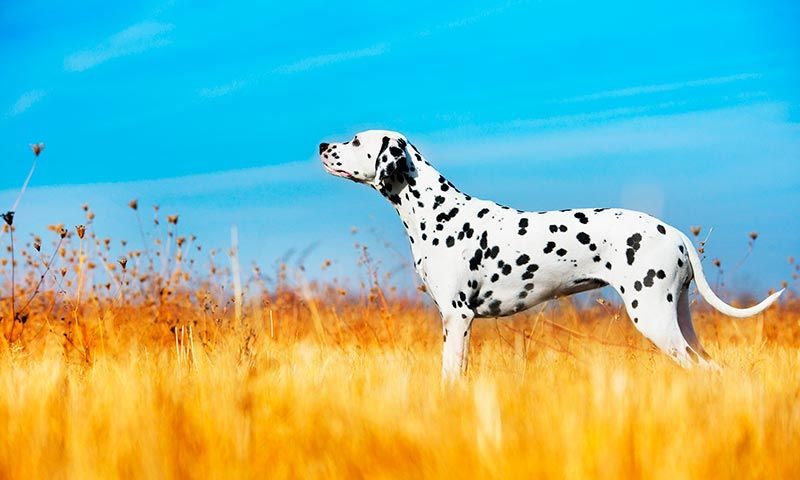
(648, 280)
(634, 242)
(476, 259)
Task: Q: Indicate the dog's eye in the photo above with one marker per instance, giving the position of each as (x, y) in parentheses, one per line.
(356, 143)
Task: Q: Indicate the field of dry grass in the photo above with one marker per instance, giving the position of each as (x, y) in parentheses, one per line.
(169, 362)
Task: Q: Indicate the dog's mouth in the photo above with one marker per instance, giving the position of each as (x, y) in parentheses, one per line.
(337, 172)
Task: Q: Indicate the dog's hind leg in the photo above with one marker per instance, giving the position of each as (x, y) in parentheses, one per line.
(655, 315)
(688, 332)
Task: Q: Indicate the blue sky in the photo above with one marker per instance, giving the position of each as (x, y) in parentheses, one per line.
(214, 109)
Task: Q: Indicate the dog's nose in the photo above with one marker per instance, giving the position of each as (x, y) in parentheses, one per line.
(323, 147)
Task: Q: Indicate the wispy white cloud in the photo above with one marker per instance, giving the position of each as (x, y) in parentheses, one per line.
(135, 39)
(468, 20)
(579, 119)
(318, 61)
(222, 90)
(662, 87)
(302, 65)
(26, 101)
(310, 63)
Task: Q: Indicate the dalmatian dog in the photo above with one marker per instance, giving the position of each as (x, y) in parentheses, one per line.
(480, 259)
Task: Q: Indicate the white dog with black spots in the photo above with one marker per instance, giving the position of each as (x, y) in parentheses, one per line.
(480, 259)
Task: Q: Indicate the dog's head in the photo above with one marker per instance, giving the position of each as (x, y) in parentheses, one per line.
(370, 157)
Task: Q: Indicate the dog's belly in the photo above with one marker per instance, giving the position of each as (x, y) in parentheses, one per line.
(509, 296)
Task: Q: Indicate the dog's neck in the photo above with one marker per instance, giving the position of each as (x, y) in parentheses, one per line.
(422, 197)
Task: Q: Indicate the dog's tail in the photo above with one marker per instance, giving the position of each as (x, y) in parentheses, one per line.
(711, 297)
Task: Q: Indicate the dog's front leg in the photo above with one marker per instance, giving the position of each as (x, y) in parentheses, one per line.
(456, 325)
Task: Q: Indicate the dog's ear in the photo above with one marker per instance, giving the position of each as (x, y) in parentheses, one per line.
(390, 157)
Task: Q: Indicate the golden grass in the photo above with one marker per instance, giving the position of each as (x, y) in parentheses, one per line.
(152, 373)
(346, 405)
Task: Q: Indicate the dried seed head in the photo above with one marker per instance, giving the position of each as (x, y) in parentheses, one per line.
(696, 231)
(8, 217)
(716, 262)
(173, 219)
(81, 230)
(37, 148)
(37, 244)
(62, 232)
(753, 236)
(180, 241)
(134, 204)
(85, 207)
(63, 272)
